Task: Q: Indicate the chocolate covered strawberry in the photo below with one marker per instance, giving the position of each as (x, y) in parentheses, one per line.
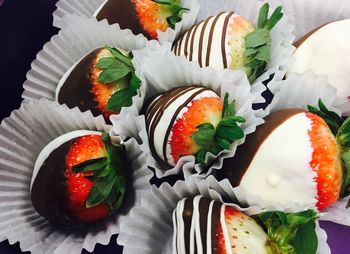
(142, 16)
(79, 178)
(231, 41)
(203, 226)
(158, 15)
(104, 81)
(191, 120)
(296, 156)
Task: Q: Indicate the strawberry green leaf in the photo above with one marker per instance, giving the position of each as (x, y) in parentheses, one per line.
(115, 199)
(215, 139)
(205, 135)
(122, 98)
(230, 133)
(258, 43)
(173, 7)
(112, 75)
(90, 165)
(120, 56)
(275, 18)
(290, 230)
(200, 156)
(229, 109)
(107, 62)
(306, 240)
(135, 82)
(223, 143)
(100, 191)
(257, 38)
(109, 179)
(263, 15)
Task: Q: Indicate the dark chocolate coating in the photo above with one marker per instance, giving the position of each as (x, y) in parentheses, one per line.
(234, 168)
(122, 12)
(49, 190)
(76, 89)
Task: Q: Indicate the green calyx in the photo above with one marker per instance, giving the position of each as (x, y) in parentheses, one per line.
(290, 233)
(215, 139)
(108, 176)
(175, 11)
(258, 43)
(341, 130)
(116, 68)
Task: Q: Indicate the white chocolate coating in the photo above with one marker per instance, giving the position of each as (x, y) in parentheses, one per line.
(53, 145)
(280, 170)
(327, 52)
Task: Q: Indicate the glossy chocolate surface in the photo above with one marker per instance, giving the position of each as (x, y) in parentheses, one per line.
(49, 190)
(76, 89)
(122, 12)
(234, 168)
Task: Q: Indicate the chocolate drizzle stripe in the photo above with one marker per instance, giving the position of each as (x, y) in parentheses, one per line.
(215, 226)
(187, 218)
(210, 41)
(156, 110)
(192, 40)
(200, 48)
(175, 235)
(223, 39)
(180, 46)
(165, 142)
(188, 35)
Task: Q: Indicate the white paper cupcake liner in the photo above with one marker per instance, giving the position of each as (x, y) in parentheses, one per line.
(301, 90)
(164, 71)
(68, 10)
(281, 35)
(23, 135)
(308, 15)
(149, 228)
(68, 47)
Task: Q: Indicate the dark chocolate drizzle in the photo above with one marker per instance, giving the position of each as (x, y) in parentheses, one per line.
(223, 39)
(186, 216)
(155, 111)
(122, 12)
(234, 168)
(189, 38)
(49, 190)
(76, 89)
(211, 35)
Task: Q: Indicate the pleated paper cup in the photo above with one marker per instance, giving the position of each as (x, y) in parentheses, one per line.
(308, 15)
(23, 135)
(162, 72)
(301, 90)
(149, 228)
(282, 34)
(68, 10)
(68, 47)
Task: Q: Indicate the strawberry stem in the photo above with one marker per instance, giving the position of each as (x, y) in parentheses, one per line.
(290, 232)
(258, 43)
(114, 69)
(215, 139)
(108, 176)
(176, 10)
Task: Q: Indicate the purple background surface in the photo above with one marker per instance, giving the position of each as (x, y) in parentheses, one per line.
(24, 28)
